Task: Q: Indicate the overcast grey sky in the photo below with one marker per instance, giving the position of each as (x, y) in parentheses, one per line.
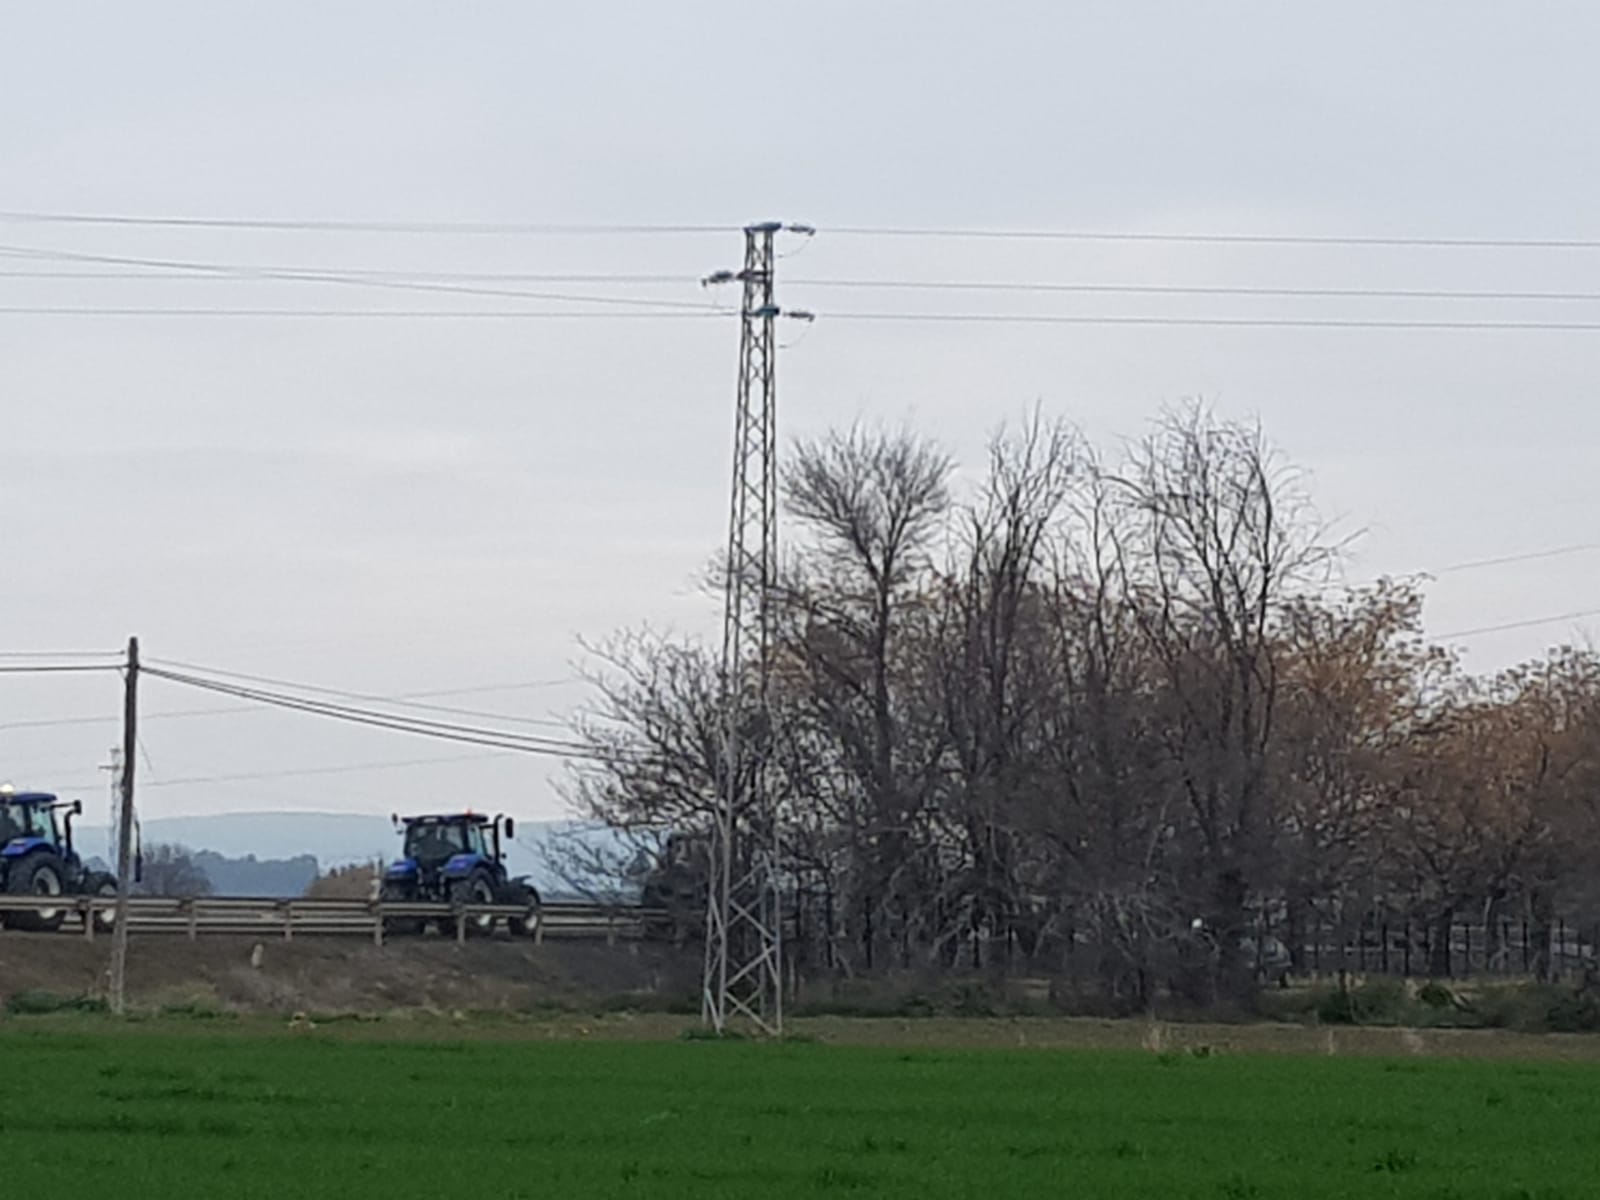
(405, 505)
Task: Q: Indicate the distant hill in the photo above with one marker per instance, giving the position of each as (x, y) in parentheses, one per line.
(278, 853)
(333, 839)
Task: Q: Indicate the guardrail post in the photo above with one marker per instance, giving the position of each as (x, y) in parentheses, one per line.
(461, 926)
(288, 920)
(191, 911)
(377, 922)
(611, 928)
(538, 927)
(86, 907)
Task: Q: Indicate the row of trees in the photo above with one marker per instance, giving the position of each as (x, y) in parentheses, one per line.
(1117, 707)
(172, 870)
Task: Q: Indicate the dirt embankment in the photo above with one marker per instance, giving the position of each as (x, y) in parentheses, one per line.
(330, 974)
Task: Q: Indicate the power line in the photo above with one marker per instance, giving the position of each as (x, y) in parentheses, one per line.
(192, 271)
(54, 668)
(196, 275)
(611, 229)
(286, 275)
(1528, 624)
(108, 718)
(941, 318)
(1268, 239)
(402, 701)
(1507, 559)
(478, 689)
(1234, 322)
(655, 307)
(360, 314)
(1504, 560)
(1046, 288)
(336, 226)
(371, 716)
(59, 654)
(341, 769)
(498, 739)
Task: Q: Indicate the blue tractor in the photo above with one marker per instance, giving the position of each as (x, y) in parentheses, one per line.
(457, 858)
(37, 859)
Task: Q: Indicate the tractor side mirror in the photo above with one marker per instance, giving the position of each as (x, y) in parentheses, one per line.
(77, 808)
(511, 828)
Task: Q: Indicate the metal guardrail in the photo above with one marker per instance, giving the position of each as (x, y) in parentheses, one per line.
(194, 916)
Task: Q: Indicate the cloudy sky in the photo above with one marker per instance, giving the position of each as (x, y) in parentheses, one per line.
(395, 505)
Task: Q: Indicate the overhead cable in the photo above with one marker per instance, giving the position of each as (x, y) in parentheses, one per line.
(605, 229)
(341, 278)
(337, 226)
(1268, 239)
(1507, 559)
(447, 731)
(1163, 289)
(337, 769)
(54, 668)
(353, 313)
(401, 701)
(1531, 623)
(1238, 322)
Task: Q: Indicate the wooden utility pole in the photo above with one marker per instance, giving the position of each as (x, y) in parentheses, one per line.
(130, 755)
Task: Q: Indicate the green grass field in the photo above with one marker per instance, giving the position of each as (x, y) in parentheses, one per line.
(96, 1111)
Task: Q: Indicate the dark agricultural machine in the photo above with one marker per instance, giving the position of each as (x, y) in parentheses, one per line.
(457, 859)
(37, 858)
(675, 888)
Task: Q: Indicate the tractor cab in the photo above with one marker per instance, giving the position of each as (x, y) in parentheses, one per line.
(452, 844)
(28, 822)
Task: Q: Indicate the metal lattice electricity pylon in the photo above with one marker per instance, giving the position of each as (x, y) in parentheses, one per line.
(744, 922)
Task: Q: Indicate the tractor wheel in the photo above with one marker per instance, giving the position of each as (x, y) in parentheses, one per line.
(476, 888)
(104, 887)
(40, 874)
(399, 926)
(528, 925)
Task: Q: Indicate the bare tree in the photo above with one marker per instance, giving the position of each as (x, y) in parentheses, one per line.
(651, 737)
(870, 504)
(356, 881)
(996, 676)
(172, 871)
(1214, 538)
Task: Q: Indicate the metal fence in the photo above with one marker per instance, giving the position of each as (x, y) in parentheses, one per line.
(1400, 948)
(194, 917)
(1504, 948)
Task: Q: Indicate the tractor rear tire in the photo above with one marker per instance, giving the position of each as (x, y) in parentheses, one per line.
(528, 926)
(399, 926)
(102, 886)
(476, 888)
(40, 874)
